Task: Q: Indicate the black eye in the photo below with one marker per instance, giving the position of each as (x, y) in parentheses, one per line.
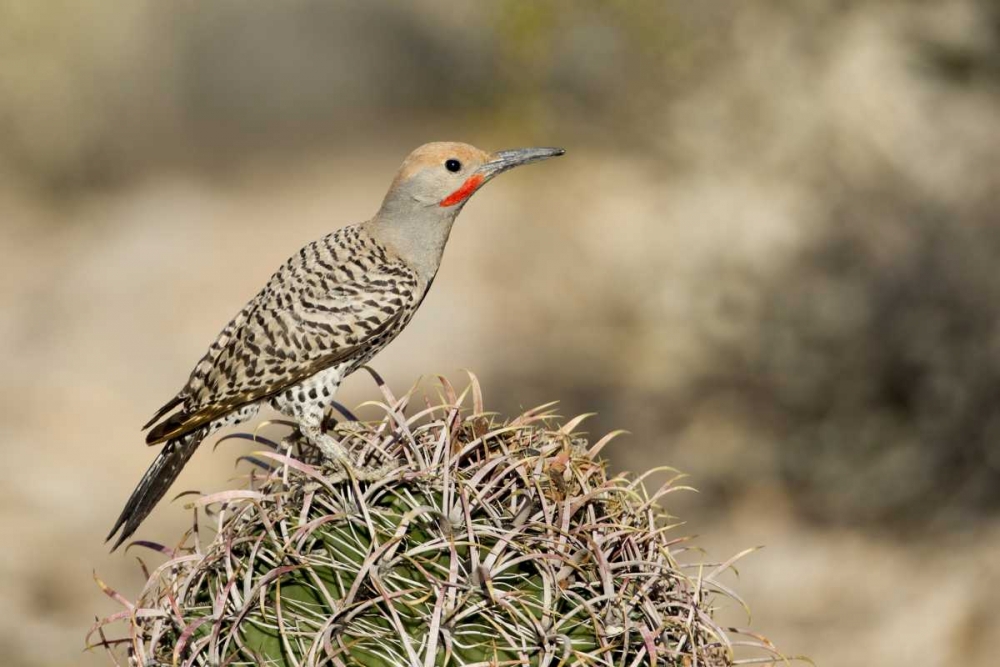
(453, 165)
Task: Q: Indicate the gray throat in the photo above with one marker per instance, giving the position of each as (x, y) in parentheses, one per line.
(417, 234)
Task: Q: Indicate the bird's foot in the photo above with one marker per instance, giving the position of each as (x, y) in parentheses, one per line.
(345, 470)
(330, 447)
(344, 466)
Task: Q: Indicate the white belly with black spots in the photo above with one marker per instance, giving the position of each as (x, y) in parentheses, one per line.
(307, 402)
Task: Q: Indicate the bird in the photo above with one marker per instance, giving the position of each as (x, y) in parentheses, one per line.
(323, 314)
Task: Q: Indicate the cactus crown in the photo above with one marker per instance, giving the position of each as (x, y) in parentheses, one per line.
(487, 543)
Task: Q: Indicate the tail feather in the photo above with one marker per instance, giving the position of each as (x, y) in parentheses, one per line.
(154, 484)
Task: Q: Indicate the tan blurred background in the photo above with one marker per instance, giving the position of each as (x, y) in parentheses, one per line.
(770, 253)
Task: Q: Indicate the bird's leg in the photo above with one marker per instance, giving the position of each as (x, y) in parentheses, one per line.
(308, 405)
(329, 445)
(337, 454)
(297, 444)
(332, 450)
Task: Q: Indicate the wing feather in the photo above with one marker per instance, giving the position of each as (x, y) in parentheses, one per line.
(170, 405)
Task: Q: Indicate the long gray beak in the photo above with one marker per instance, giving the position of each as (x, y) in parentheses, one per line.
(501, 161)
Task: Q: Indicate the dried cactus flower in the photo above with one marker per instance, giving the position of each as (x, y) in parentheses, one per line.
(483, 543)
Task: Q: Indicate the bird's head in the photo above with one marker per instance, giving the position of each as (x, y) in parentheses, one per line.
(430, 189)
(445, 174)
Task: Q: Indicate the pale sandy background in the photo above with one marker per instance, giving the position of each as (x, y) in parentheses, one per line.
(770, 253)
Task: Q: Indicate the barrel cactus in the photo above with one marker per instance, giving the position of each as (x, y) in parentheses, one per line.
(482, 542)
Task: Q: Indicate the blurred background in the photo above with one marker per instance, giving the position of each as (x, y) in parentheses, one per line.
(770, 254)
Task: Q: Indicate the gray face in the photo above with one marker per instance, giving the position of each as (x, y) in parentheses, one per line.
(431, 173)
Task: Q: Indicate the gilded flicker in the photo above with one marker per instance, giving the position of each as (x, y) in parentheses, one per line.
(324, 313)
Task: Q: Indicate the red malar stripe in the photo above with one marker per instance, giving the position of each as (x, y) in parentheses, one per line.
(463, 192)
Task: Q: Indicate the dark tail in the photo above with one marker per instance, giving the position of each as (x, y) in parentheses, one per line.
(154, 484)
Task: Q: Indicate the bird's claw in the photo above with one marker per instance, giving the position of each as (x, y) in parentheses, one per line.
(331, 448)
(335, 454)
